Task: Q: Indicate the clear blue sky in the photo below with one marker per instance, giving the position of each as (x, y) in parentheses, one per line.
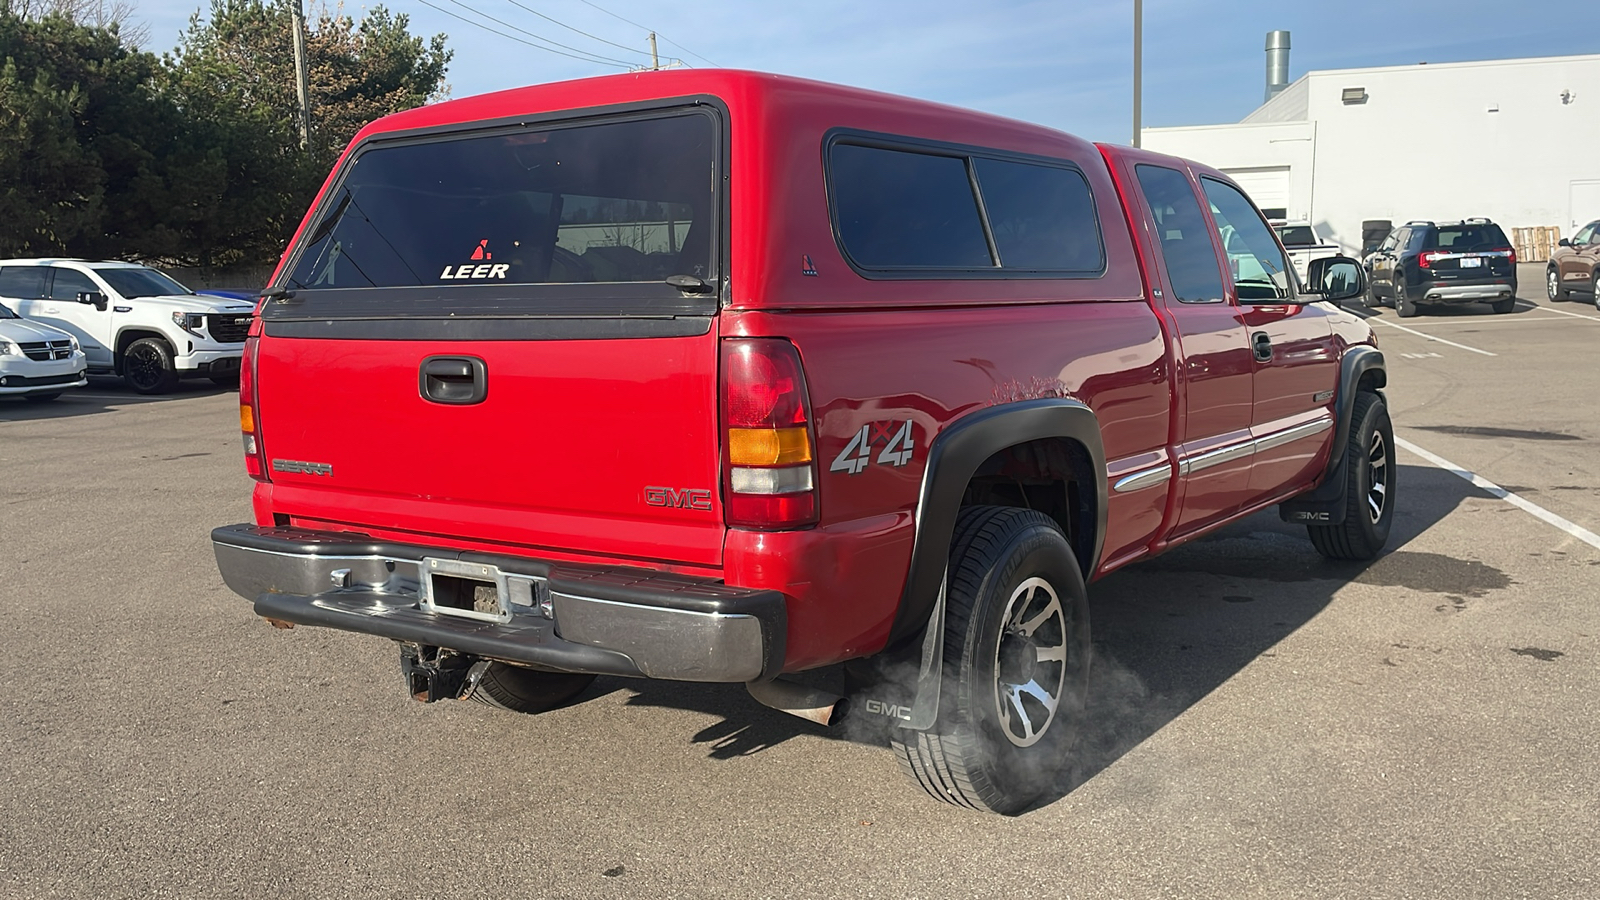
(1066, 64)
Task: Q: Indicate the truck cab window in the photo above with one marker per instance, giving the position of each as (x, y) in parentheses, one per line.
(1259, 270)
(1192, 273)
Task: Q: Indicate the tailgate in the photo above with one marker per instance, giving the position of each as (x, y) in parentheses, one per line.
(480, 341)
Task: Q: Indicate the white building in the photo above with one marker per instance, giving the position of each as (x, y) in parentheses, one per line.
(1517, 140)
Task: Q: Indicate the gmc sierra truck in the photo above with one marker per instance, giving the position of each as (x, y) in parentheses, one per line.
(723, 376)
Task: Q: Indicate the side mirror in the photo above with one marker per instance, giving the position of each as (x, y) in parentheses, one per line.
(1563, 243)
(1336, 279)
(95, 297)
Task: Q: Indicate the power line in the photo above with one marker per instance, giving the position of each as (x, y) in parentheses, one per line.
(585, 58)
(576, 30)
(657, 33)
(540, 37)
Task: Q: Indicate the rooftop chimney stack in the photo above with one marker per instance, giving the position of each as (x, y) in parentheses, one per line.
(1277, 63)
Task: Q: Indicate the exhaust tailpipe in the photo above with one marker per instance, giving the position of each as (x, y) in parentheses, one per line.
(813, 704)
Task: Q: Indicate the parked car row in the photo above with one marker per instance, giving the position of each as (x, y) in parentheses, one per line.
(121, 318)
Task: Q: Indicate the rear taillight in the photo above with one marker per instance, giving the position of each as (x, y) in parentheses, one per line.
(1510, 252)
(769, 471)
(249, 425)
(1426, 260)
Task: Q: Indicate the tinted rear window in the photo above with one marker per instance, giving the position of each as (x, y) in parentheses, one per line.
(621, 201)
(1297, 236)
(1042, 216)
(906, 210)
(1193, 274)
(22, 282)
(1466, 237)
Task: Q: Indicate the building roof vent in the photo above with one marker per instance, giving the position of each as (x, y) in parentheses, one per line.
(1277, 63)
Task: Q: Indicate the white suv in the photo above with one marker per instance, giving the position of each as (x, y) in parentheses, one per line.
(36, 361)
(130, 319)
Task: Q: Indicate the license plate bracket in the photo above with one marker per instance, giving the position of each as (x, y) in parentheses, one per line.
(467, 590)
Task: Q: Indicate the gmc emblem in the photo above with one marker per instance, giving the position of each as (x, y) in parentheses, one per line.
(672, 498)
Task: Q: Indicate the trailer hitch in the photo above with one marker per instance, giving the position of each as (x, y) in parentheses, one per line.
(434, 673)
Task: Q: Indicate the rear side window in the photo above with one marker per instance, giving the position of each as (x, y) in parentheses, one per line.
(912, 212)
(618, 201)
(22, 282)
(1465, 238)
(1193, 275)
(1042, 216)
(906, 210)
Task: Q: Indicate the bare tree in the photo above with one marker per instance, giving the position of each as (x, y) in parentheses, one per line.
(94, 13)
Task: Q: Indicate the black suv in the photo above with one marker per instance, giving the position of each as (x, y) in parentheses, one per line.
(1454, 262)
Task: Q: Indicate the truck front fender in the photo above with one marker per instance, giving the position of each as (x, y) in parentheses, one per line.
(1325, 505)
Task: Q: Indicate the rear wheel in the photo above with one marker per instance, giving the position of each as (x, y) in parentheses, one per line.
(1406, 308)
(147, 366)
(1552, 285)
(42, 398)
(1504, 306)
(514, 688)
(1016, 664)
(1369, 486)
(1594, 287)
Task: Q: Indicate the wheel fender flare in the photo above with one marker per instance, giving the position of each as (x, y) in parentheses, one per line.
(1325, 504)
(135, 332)
(953, 458)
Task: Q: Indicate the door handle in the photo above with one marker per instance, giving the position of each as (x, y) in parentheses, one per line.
(1262, 344)
(455, 380)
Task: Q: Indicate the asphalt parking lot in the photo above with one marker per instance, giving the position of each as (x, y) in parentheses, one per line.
(1266, 724)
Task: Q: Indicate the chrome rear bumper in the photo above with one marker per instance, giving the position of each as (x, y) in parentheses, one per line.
(573, 618)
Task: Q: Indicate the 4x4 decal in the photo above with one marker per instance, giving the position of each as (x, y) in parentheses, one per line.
(857, 455)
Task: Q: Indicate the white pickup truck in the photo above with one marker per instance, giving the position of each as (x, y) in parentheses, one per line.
(1304, 244)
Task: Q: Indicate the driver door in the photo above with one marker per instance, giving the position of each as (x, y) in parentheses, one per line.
(1296, 361)
(90, 324)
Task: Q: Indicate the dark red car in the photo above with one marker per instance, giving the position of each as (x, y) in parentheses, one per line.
(722, 376)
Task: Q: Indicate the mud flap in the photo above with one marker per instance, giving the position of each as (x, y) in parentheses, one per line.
(1323, 506)
(910, 704)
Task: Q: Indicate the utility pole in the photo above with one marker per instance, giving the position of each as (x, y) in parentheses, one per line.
(1138, 52)
(655, 61)
(302, 88)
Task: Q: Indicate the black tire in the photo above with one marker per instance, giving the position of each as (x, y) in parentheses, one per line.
(1009, 569)
(1553, 288)
(514, 688)
(1504, 306)
(147, 366)
(1369, 486)
(1594, 289)
(42, 398)
(1403, 307)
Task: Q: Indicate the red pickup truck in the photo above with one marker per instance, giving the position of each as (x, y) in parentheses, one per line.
(721, 376)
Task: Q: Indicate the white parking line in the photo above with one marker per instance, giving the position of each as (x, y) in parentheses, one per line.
(1429, 337)
(1484, 484)
(1560, 311)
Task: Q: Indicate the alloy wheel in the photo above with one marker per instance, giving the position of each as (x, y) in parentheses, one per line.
(1377, 477)
(1030, 662)
(143, 366)
(1552, 283)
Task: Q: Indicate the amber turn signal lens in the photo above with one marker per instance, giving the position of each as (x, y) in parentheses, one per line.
(768, 446)
(247, 419)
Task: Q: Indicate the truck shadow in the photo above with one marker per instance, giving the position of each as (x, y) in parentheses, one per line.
(1168, 631)
(105, 393)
